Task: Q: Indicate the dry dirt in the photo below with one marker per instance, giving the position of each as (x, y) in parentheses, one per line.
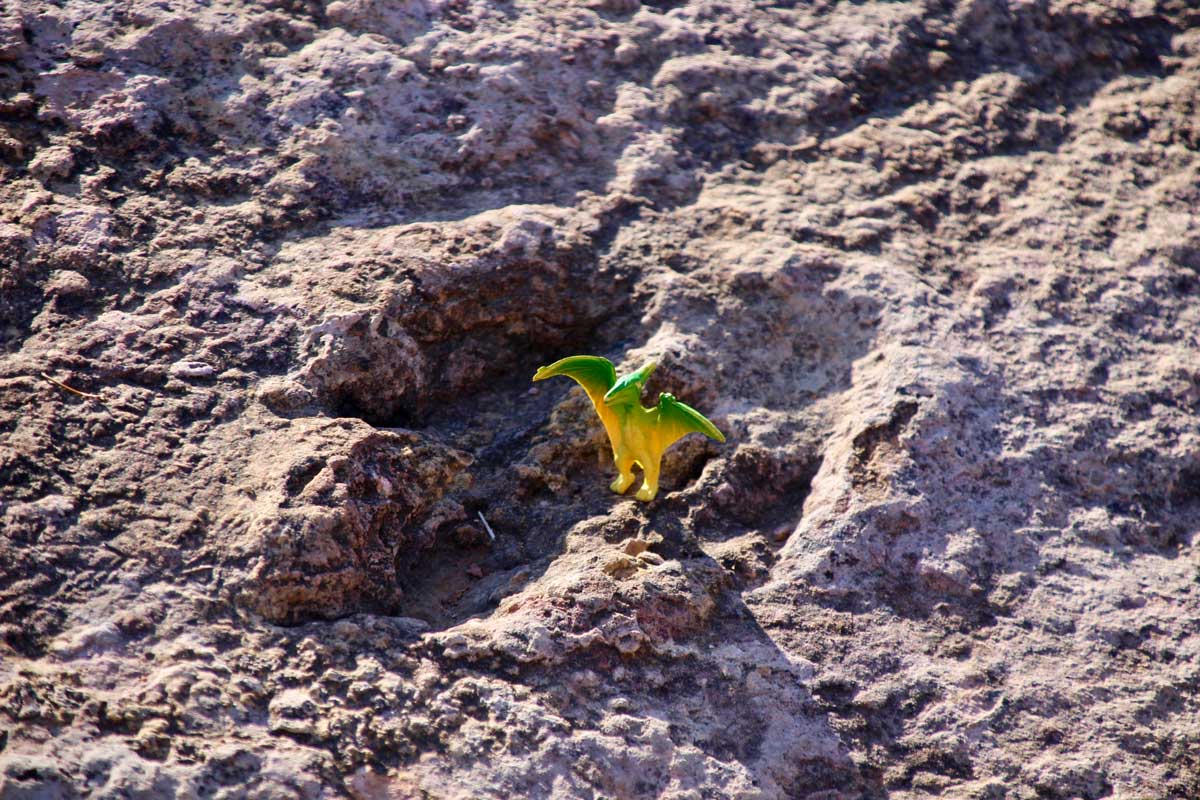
(934, 268)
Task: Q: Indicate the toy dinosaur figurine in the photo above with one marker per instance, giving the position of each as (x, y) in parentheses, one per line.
(638, 435)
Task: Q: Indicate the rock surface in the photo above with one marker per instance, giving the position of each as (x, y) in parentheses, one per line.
(281, 514)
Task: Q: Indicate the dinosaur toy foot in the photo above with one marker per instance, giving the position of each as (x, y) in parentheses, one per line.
(646, 493)
(622, 483)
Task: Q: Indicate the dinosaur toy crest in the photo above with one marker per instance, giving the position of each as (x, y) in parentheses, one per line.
(638, 435)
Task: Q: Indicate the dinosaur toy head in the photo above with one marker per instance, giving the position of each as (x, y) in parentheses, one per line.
(628, 388)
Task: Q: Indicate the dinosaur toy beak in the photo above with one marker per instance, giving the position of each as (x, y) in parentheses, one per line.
(634, 380)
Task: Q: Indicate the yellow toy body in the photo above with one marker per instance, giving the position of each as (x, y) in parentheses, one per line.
(638, 435)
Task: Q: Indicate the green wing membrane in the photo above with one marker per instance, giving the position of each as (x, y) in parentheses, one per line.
(678, 419)
(595, 374)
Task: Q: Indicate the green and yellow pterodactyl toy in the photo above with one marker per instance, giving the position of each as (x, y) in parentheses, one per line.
(638, 435)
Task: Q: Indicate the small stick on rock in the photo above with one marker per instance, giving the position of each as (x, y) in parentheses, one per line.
(70, 389)
(491, 534)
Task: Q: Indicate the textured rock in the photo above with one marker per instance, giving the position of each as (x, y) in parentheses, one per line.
(337, 517)
(281, 514)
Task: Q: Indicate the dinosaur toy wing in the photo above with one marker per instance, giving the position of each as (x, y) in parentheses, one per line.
(677, 419)
(595, 374)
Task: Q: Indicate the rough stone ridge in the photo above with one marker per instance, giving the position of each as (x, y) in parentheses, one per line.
(281, 514)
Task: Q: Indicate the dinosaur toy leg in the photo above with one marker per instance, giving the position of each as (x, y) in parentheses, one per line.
(649, 480)
(624, 474)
